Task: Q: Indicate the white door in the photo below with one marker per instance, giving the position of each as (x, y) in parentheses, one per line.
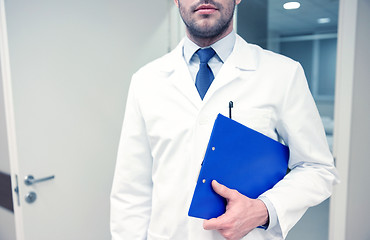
(66, 69)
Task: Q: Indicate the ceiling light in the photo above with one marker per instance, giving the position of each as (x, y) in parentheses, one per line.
(291, 5)
(323, 20)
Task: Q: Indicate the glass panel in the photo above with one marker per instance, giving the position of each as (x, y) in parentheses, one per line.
(328, 55)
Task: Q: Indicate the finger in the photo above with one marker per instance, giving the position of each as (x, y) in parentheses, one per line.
(222, 190)
(214, 223)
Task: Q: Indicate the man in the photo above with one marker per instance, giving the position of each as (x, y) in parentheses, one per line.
(169, 117)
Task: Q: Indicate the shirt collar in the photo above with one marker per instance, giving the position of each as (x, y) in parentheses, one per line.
(222, 47)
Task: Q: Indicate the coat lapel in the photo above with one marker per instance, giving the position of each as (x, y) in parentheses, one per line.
(179, 76)
(242, 59)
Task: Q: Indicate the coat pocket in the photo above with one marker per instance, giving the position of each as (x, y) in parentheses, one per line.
(260, 120)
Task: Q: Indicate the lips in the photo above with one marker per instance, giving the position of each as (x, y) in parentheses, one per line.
(206, 9)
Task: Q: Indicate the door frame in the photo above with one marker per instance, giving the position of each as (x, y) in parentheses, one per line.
(9, 119)
(350, 43)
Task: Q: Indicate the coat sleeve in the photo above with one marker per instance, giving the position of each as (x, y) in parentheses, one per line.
(312, 174)
(131, 194)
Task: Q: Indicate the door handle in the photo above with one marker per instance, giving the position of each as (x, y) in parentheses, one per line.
(29, 179)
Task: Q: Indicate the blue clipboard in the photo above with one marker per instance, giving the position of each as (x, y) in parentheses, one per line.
(239, 158)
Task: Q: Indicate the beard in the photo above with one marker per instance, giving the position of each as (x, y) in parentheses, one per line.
(208, 29)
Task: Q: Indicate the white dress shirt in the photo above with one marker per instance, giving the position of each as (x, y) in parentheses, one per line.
(223, 49)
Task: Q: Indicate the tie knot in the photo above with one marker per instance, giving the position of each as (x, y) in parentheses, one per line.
(205, 54)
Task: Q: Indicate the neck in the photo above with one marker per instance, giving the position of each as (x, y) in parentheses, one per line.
(205, 42)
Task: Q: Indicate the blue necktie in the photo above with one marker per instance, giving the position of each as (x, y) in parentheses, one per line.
(204, 76)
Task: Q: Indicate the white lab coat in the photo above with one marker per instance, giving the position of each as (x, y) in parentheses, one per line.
(167, 127)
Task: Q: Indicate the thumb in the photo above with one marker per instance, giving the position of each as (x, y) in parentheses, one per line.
(222, 190)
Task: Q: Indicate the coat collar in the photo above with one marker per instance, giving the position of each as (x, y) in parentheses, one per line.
(243, 58)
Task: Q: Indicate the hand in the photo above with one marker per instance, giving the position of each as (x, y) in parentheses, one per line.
(242, 214)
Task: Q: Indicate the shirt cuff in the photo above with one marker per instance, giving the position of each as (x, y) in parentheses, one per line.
(271, 211)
